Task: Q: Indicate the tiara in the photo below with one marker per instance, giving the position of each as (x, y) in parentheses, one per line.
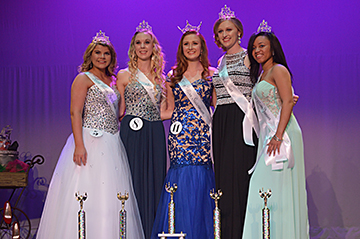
(143, 26)
(264, 27)
(189, 28)
(226, 13)
(101, 38)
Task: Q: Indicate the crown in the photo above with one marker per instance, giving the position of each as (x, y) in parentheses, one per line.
(101, 38)
(143, 26)
(189, 28)
(264, 27)
(226, 13)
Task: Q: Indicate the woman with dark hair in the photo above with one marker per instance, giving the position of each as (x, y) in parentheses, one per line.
(280, 157)
(189, 92)
(233, 138)
(142, 131)
(93, 161)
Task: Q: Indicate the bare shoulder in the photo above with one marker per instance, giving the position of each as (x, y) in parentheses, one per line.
(280, 72)
(82, 79)
(212, 70)
(123, 76)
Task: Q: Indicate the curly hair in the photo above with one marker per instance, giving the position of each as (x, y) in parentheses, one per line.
(157, 59)
(181, 61)
(87, 64)
(275, 47)
(237, 24)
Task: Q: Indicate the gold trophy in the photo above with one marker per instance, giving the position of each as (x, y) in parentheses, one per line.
(265, 213)
(217, 215)
(122, 214)
(81, 215)
(171, 214)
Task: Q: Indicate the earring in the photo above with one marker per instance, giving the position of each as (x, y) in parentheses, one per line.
(91, 65)
(239, 39)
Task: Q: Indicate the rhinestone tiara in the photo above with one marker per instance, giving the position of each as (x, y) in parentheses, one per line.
(264, 27)
(101, 38)
(226, 13)
(189, 27)
(143, 26)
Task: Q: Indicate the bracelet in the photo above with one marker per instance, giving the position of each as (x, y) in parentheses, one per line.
(276, 138)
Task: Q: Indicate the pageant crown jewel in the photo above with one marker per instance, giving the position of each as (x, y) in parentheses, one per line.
(189, 28)
(226, 13)
(101, 38)
(143, 26)
(264, 27)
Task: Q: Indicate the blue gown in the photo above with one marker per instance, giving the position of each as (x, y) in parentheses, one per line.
(190, 168)
(146, 150)
(288, 202)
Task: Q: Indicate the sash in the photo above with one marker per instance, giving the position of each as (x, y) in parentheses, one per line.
(149, 87)
(195, 100)
(109, 93)
(250, 121)
(268, 125)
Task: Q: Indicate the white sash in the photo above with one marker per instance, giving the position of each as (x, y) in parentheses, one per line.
(268, 126)
(149, 87)
(250, 122)
(195, 100)
(109, 93)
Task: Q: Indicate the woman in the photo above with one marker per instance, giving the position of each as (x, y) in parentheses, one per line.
(189, 92)
(233, 138)
(141, 129)
(280, 157)
(93, 160)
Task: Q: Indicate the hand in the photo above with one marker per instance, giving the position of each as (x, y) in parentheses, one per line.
(80, 156)
(295, 99)
(273, 146)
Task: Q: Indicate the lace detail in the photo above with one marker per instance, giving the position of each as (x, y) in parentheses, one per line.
(269, 95)
(138, 102)
(192, 145)
(97, 113)
(239, 74)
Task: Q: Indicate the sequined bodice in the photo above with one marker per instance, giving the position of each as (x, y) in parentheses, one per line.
(192, 145)
(138, 102)
(239, 74)
(97, 113)
(269, 95)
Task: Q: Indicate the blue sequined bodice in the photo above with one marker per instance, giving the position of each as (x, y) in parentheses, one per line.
(97, 113)
(138, 102)
(192, 145)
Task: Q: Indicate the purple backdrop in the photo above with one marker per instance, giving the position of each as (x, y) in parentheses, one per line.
(42, 43)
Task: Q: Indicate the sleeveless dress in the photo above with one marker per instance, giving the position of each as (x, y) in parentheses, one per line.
(105, 174)
(232, 157)
(146, 150)
(288, 202)
(190, 168)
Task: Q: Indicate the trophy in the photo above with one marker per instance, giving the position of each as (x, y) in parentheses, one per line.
(122, 214)
(81, 215)
(217, 215)
(171, 215)
(265, 213)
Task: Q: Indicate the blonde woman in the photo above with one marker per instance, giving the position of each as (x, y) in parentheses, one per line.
(142, 131)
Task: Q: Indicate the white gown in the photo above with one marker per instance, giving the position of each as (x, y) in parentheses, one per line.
(105, 174)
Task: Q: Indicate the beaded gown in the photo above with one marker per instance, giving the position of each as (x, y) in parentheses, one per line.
(105, 174)
(288, 202)
(232, 157)
(146, 149)
(190, 168)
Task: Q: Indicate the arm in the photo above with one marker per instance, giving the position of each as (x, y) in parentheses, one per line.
(281, 78)
(213, 97)
(78, 93)
(122, 79)
(170, 103)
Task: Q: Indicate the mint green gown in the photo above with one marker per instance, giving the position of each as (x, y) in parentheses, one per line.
(288, 202)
